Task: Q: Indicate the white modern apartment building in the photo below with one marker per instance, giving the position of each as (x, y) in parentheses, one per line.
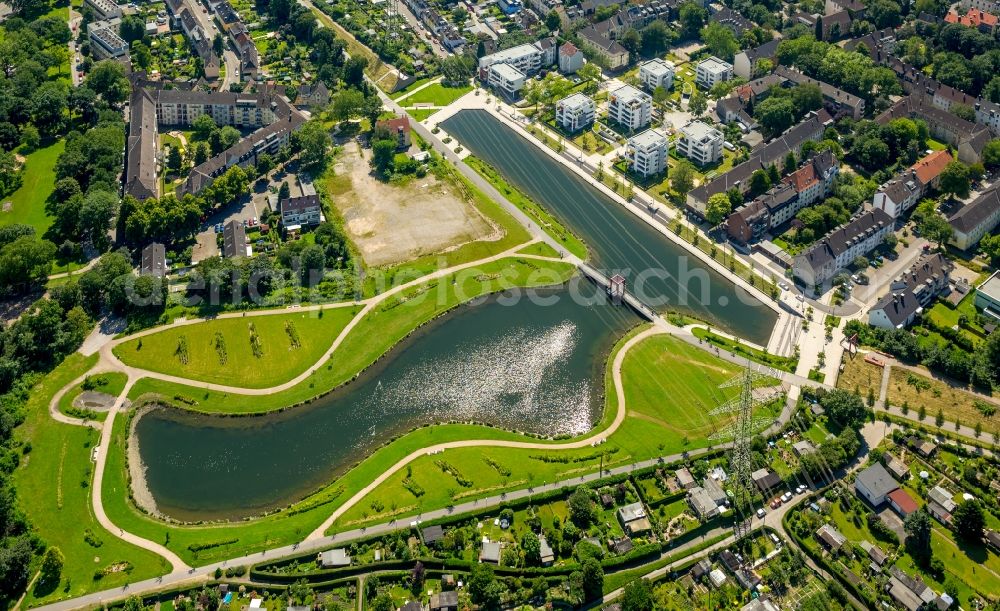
(657, 73)
(647, 153)
(629, 107)
(700, 142)
(506, 79)
(575, 112)
(528, 58)
(712, 71)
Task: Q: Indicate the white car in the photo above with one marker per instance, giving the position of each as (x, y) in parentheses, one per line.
(761, 513)
(786, 496)
(801, 488)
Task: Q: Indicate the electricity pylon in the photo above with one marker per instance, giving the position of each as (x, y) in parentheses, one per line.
(740, 460)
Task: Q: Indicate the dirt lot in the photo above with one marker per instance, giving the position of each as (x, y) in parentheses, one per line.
(392, 224)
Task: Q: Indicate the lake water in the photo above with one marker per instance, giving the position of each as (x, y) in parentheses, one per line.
(529, 367)
(659, 272)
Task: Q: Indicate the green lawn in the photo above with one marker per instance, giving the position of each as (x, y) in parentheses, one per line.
(778, 362)
(53, 486)
(419, 114)
(28, 202)
(436, 95)
(539, 248)
(221, 350)
(414, 85)
(658, 367)
(545, 220)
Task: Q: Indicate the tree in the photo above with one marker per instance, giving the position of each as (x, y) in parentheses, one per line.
(483, 587)
(98, 211)
(24, 262)
(860, 262)
(383, 602)
(631, 41)
(720, 40)
(990, 246)
(132, 28)
(552, 21)
(52, 566)
(203, 126)
(697, 104)
(759, 183)
(682, 177)
(107, 79)
(581, 507)
(718, 208)
(383, 155)
(775, 114)
(313, 143)
(955, 179)
(347, 104)
(845, 407)
(968, 521)
(174, 158)
(918, 534)
(932, 223)
(354, 71)
(657, 37)
(692, 17)
(638, 596)
(593, 578)
(532, 549)
(218, 44)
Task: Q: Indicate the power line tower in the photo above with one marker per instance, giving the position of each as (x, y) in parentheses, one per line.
(742, 431)
(392, 19)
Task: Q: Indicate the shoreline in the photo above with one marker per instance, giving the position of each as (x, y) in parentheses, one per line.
(139, 490)
(144, 500)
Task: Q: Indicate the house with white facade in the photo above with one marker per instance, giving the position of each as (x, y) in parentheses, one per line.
(905, 189)
(657, 73)
(975, 219)
(570, 58)
(711, 71)
(630, 108)
(647, 153)
(299, 211)
(506, 79)
(700, 142)
(834, 251)
(911, 292)
(575, 112)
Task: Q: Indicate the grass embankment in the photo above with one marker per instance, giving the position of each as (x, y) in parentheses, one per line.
(785, 363)
(659, 366)
(377, 70)
(251, 351)
(38, 180)
(545, 220)
(111, 383)
(540, 249)
(382, 328)
(436, 94)
(378, 280)
(378, 332)
(53, 486)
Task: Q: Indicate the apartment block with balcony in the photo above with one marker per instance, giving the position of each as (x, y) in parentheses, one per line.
(712, 71)
(647, 153)
(657, 73)
(700, 142)
(575, 112)
(630, 108)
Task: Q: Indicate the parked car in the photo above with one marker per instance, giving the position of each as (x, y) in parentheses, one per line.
(761, 513)
(786, 497)
(775, 503)
(801, 488)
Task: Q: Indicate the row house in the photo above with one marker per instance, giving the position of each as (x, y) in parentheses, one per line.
(912, 292)
(973, 220)
(774, 153)
(837, 101)
(809, 183)
(905, 189)
(969, 139)
(835, 251)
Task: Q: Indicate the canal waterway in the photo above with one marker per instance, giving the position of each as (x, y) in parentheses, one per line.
(660, 273)
(529, 367)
